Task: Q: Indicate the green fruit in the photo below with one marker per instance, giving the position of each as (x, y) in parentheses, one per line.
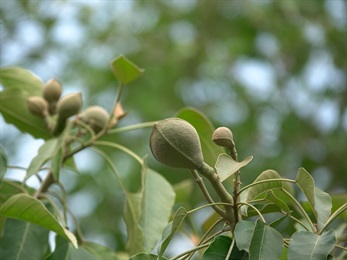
(37, 106)
(52, 91)
(96, 117)
(175, 142)
(222, 136)
(69, 105)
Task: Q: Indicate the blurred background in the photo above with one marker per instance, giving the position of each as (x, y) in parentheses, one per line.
(274, 72)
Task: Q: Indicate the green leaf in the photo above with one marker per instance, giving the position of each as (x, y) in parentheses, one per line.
(256, 190)
(219, 248)
(243, 234)
(9, 188)
(147, 212)
(22, 240)
(3, 164)
(227, 166)
(61, 251)
(45, 153)
(125, 71)
(13, 107)
(99, 251)
(205, 130)
(145, 256)
(183, 190)
(307, 245)
(319, 200)
(266, 243)
(17, 78)
(270, 196)
(170, 230)
(25, 207)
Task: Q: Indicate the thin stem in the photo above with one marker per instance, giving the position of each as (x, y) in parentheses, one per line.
(190, 251)
(207, 195)
(47, 182)
(264, 181)
(299, 222)
(131, 127)
(230, 248)
(333, 216)
(253, 207)
(55, 208)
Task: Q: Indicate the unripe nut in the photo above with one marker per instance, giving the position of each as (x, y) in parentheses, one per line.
(222, 136)
(52, 91)
(38, 106)
(96, 117)
(175, 142)
(69, 105)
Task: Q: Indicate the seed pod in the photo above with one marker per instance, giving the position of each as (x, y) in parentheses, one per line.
(37, 106)
(52, 91)
(96, 117)
(175, 142)
(69, 105)
(222, 136)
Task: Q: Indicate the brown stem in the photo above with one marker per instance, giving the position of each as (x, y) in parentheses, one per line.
(47, 182)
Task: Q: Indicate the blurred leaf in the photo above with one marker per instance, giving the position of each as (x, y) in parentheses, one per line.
(337, 201)
(213, 218)
(22, 240)
(219, 248)
(256, 190)
(319, 200)
(46, 152)
(183, 190)
(9, 188)
(16, 78)
(145, 256)
(125, 71)
(243, 234)
(170, 230)
(24, 207)
(3, 164)
(61, 250)
(13, 107)
(266, 243)
(99, 251)
(227, 166)
(307, 245)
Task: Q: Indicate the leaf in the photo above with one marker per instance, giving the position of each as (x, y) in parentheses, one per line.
(23, 240)
(17, 78)
(145, 256)
(170, 230)
(219, 248)
(9, 188)
(3, 164)
(307, 245)
(227, 166)
(270, 196)
(183, 190)
(319, 200)
(124, 70)
(45, 153)
(13, 107)
(205, 130)
(24, 207)
(256, 190)
(99, 251)
(61, 250)
(266, 243)
(243, 234)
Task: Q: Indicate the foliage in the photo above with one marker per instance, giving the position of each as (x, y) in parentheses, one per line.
(244, 225)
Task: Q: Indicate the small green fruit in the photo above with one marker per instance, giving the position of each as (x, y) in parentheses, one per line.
(69, 105)
(52, 91)
(175, 142)
(37, 106)
(96, 117)
(222, 136)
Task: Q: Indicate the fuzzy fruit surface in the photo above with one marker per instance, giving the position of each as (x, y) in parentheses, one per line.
(69, 105)
(37, 105)
(175, 142)
(96, 117)
(222, 136)
(52, 91)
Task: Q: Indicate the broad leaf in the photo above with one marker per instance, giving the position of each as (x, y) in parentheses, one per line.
(260, 188)
(319, 200)
(21, 79)
(61, 250)
(23, 240)
(227, 166)
(171, 229)
(13, 107)
(3, 164)
(9, 188)
(307, 245)
(183, 190)
(266, 243)
(243, 234)
(219, 248)
(146, 256)
(27, 208)
(270, 196)
(125, 71)
(205, 130)
(45, 153)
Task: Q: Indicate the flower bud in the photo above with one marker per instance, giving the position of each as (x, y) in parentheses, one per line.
(175, 142)
(52, 91)
(222, 136)
(37, 106)
(96, 117)
(69, 105)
